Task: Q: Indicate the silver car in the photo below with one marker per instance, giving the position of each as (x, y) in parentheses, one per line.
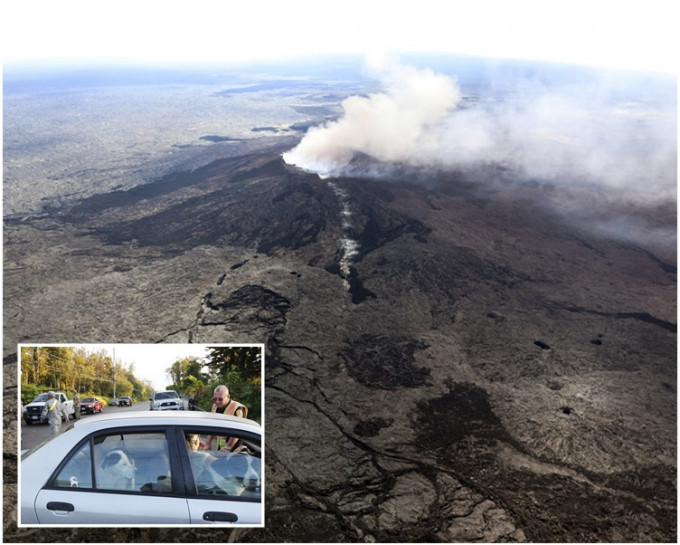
(145, 469)
(168, 400)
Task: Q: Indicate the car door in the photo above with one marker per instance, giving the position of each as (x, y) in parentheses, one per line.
(222, 488)
(125, 476)
(75, 508)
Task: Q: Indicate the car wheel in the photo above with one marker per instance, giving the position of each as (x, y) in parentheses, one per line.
(29, 422)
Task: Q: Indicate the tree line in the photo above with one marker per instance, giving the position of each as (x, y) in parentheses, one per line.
(96, 373)
(238, 368)
(75, 368)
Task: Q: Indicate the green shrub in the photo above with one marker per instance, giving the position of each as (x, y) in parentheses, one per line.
(29, 391)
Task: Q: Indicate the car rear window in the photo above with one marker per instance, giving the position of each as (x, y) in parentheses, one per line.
(129, 462)
(133, 462)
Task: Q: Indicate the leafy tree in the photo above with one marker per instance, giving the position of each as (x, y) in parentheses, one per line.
(195, 369)
(247, 361)
(84, 377)
(181, 369)
(100, 364)
(193, 386)
(123, 386)
(68, 368)
(28, 393)
(33, 364)
(138, 387)
(240, 370)
(60, 366)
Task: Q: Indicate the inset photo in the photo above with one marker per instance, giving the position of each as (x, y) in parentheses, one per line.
(141, 435)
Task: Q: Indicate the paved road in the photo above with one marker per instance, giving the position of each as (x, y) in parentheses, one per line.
(33, 434)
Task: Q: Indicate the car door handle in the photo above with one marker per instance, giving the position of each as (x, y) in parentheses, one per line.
(60, 506)
(218, 516)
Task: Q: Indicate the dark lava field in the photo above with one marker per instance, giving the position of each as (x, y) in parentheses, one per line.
(484, 366)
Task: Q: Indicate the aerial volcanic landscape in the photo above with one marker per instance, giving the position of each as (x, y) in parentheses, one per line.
(467, 295)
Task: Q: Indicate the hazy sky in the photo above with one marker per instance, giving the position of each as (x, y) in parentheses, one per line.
(639, 34)
(151, 360)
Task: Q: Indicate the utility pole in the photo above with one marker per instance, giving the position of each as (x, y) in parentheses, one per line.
(114, 372)
(35, 365)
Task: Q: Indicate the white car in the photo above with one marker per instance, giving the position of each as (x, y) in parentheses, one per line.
(33, 410)
(140, 468)
(168, 400)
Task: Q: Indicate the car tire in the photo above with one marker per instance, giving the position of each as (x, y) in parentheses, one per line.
(29, 422)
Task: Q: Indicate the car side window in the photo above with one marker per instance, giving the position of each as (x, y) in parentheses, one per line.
(77, 473)
(235, 475)
(132, 462)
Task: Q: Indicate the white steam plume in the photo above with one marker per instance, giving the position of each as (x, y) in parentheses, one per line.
(395, 125)
(570, 134)
(610, 132)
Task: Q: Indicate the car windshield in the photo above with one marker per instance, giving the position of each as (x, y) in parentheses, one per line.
(88, 399)
(40, 397)
(166, 395)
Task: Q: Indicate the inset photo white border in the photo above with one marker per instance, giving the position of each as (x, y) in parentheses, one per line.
(90, 368)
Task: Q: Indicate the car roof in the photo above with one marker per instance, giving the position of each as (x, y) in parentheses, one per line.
(183, 418)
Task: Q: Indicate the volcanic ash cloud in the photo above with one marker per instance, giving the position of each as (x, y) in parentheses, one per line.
(394, 125)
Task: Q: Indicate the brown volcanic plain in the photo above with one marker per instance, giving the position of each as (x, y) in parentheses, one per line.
(488, 371)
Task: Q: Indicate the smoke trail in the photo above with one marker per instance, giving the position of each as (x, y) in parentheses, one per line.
(394, 125)
(349, 248)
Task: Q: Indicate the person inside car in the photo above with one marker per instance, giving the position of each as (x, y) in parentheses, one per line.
(193, 441)
(197, 457)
